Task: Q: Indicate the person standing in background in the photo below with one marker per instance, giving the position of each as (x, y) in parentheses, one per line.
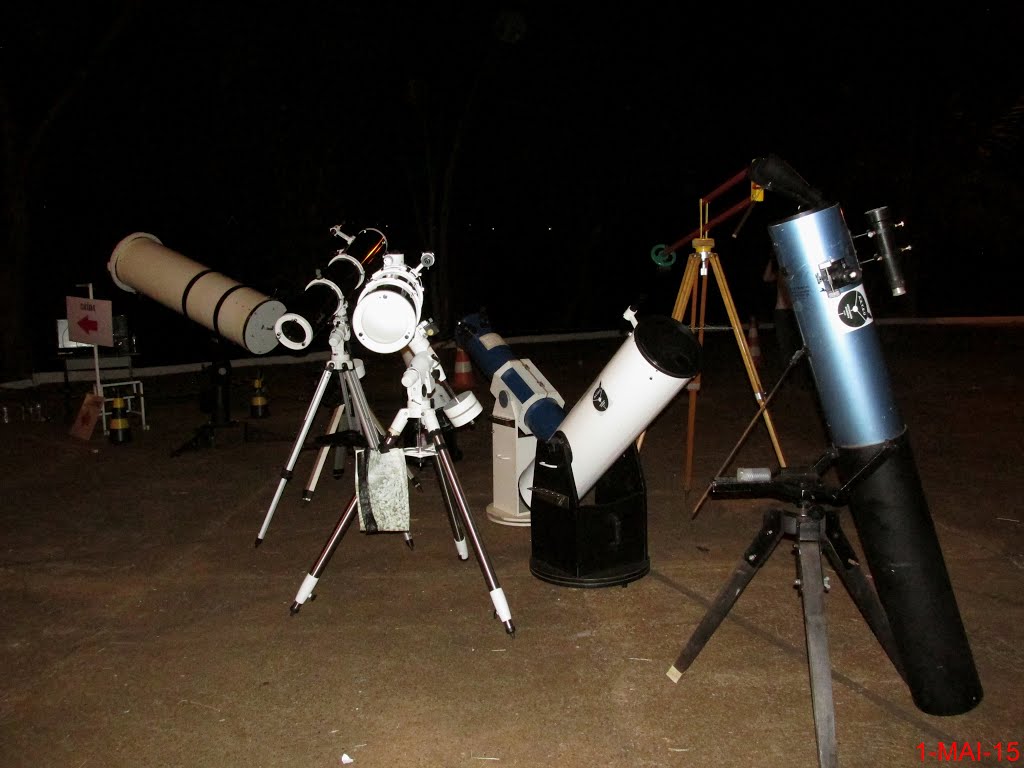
(787, 333)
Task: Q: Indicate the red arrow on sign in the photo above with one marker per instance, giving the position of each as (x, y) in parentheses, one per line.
(87, 324)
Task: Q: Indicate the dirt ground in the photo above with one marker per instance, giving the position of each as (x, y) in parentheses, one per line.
(141, 627)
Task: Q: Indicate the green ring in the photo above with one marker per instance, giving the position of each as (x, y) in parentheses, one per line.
(661, 258)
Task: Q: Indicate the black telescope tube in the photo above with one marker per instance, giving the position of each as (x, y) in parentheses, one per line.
(368, 247)
(317, 305)
(776, 175)
(901, 546)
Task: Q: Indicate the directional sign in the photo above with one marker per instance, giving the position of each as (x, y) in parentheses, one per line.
(90, 321)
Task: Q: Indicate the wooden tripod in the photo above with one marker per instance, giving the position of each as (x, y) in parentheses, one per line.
(703, 254)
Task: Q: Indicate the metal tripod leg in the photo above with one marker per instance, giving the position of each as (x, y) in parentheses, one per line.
(817, 533)
(321, 456)
(300, 439)
(351, 419)
(757, 553)
(458, 534)
(320, 564)
(447, 467)
(812, 594)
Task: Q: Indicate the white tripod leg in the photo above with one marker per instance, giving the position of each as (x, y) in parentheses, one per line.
(321, 456)
(300, 440)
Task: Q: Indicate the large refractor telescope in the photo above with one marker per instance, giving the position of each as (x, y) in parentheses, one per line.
(140, 263)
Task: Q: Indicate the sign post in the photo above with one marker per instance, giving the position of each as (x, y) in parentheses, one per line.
(90, 321)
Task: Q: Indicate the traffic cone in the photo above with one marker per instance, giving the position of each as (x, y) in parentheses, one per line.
(120, 428)
(754, 343)
(259, 407)
(464, 378)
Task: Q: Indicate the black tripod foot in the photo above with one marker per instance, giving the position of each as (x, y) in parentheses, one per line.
(817, 535)
(204, 437)
(757, 553)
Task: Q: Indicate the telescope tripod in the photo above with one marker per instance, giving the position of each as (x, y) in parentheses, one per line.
(424, 396)
(219, 406)
(703, 255)
(816, 532)
(337, 438)
(345, 367)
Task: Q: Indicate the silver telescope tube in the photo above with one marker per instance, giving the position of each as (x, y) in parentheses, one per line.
(818, 262)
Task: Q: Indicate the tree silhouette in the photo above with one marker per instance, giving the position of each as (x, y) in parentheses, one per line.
(37, 42)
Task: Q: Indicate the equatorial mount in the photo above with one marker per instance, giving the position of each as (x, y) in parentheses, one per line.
(386, 319)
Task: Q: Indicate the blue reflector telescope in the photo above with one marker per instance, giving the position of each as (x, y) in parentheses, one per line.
(526, 408)
(820, 268)
(492, 354)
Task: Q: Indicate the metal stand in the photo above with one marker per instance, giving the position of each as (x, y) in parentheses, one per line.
(321, 454)
(348, 438)
(815, 531)
(347, 369)
(422, 380)
(702, 256)
(205, 436)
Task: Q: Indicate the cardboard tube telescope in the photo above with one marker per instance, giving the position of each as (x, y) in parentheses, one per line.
(820, 268)
(140, 263)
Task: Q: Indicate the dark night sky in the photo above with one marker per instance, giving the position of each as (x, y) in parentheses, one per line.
(240, 136)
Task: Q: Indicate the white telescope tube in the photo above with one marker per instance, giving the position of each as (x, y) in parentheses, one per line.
(389, 306)
(140, 263)
(655, 362)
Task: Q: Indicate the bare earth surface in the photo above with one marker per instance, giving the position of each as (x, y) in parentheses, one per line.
(141, 627)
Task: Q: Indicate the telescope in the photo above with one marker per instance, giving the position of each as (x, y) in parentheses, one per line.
(656, 361)
(593, 448)
(389, 307)
(140, 263)
(541, 406)
(821, 269)
(317, 308)
(387, 319)
(526, 408)
(387, 310)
